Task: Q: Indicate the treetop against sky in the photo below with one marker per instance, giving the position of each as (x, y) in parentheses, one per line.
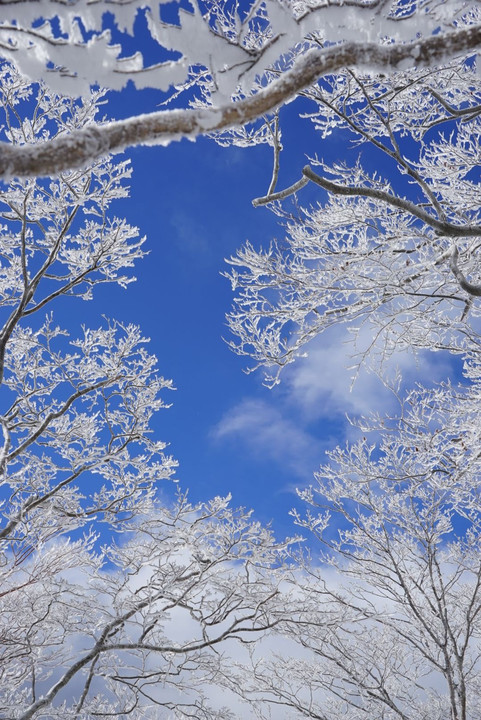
(347, 208)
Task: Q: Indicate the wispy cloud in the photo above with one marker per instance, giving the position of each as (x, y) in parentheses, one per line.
(267, 431)
(292, 426)
(328, 382)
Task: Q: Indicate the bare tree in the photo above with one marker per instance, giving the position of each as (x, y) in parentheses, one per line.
(80, 409)
(231, 56)
(141, 627)
(396, 251)
(392, 608)
(392, 625)
(152, 634)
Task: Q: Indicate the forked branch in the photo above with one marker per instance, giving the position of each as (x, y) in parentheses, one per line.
(460, 277)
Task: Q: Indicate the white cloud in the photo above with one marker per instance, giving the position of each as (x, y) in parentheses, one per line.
(265, 430)
(306, 414)
(328, 382)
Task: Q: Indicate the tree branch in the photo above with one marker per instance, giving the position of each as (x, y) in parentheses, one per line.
(465, 284)
(58, 413)
(281, 194)
(276, 149)
(84, 145)
(444, 228)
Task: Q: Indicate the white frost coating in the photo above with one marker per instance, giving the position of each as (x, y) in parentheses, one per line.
(390, 626)
(221, 57)
(401, 278)
(209, 119)
(234, 53)
(412, 272)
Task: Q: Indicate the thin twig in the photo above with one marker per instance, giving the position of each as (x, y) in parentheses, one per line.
(281, 194)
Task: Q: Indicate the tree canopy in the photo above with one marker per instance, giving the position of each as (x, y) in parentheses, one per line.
(242, 61)
(116, 601)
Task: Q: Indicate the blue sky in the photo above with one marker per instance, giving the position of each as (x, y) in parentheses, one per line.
(229, 433)
(193, 201)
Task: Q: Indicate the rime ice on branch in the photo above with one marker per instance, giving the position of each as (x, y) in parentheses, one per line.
(241, 63)
(397, 252)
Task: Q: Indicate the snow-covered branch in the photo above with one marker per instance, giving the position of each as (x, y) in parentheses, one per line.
(442, 227)
(158, 626)
(374, 249)
(404, 593)
(465, 284)
(84, 145)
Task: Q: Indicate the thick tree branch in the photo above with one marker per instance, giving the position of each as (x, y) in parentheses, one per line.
(83, 146)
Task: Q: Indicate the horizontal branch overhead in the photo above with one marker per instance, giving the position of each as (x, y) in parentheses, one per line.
(81, 147)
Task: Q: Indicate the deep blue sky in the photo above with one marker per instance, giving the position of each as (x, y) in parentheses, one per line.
(229, 433)
(193, 202)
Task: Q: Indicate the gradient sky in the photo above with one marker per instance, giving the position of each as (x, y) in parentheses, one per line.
(229, 433)
(193, 201)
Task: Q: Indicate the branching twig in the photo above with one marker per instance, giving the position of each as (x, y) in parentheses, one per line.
(465, 284)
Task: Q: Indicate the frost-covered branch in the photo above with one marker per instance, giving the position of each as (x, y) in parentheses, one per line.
(404, 589)
(442, 227)
(158, 625)
(282, 194)
(58, 239)
(465, 284)
(72, 44)
(375, 252)
(84, 145)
